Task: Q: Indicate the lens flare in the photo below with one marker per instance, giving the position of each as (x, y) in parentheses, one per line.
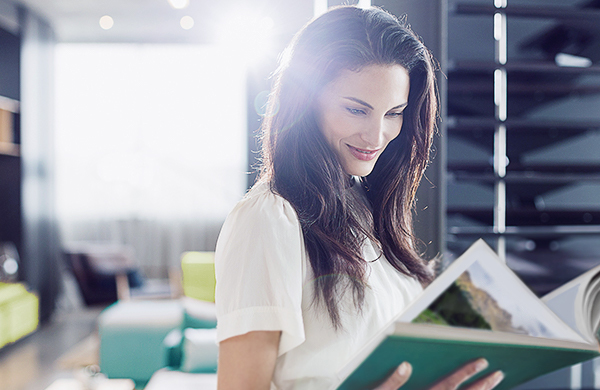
(187, 22)
(106, 22)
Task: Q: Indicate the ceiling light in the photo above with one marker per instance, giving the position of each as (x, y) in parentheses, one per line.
(106, 22)
(179, 4)
(186, 22)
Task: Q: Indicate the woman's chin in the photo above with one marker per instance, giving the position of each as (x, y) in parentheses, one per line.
(359, 169)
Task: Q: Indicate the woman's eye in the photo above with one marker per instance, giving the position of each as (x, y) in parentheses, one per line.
(356, 111)
(395, 114)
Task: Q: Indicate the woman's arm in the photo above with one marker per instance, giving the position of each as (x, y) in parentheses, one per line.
(248, 361)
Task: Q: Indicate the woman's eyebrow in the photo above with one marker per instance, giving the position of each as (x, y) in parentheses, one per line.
(370, 106)
(399, 106)
(359, 102)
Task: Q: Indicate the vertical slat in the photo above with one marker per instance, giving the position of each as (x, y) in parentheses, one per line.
(501, 103)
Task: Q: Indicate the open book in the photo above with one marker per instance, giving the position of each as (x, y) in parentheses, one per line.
(479, 308)
(577, 303)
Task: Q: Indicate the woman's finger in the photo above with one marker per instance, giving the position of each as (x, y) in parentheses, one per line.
(398, 378)
(459, 376)
(488, 382)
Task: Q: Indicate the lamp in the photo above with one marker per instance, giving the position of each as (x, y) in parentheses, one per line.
(9, 262)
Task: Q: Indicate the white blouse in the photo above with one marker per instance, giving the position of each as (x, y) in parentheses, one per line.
(264, 282)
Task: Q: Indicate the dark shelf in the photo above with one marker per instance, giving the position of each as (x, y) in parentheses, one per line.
(549, 89)
(559, 13)
(530, 84)
(575, 169)
(522, 187)
(520, 67)
(545, 232)
(457, 124)
(528, 177)
(532, 217)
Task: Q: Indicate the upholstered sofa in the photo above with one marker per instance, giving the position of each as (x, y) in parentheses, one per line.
(140, 337)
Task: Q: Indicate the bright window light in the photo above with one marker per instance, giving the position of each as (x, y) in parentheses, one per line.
(250, 35)
(106, 22)
(149, 132)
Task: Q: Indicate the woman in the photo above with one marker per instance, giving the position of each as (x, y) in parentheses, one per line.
(319, 256)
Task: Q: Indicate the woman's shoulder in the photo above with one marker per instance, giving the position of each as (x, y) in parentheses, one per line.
(261, 204)
(263, 226)
(261, 191)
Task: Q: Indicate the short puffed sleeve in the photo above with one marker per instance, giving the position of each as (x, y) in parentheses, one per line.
(260, 270)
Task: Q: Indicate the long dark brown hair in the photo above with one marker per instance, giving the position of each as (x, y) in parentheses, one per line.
(301, 167)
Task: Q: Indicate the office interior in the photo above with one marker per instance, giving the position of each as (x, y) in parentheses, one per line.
(134, 128)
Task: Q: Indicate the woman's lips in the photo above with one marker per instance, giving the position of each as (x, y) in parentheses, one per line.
(363, 154)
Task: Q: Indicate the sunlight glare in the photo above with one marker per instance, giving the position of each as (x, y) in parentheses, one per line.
(251, 35)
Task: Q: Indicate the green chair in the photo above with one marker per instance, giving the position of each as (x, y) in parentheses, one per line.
(198, 271)
(18, 312)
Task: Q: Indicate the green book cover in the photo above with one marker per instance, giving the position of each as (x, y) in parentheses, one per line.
(476, 308)
(434, 358)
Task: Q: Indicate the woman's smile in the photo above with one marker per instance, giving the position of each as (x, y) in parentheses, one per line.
(363, 154)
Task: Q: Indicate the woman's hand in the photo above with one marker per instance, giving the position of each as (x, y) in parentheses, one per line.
(452, 381)
(462, 374)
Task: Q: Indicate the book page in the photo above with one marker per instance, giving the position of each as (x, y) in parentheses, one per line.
(445, 279)
(581, 280)
(595, 309)
(591, 315)
(563, 305)
(489, 295)
(574, 303)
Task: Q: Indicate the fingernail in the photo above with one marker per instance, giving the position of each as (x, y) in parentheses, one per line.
(403, 369)
(481, 364)
(498, 376)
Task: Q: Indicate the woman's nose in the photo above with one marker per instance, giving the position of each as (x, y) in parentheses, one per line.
(373, 133)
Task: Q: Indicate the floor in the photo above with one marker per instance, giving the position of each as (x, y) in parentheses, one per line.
(32, 363)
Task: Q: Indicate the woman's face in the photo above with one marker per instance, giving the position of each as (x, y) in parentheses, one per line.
(360, 112)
